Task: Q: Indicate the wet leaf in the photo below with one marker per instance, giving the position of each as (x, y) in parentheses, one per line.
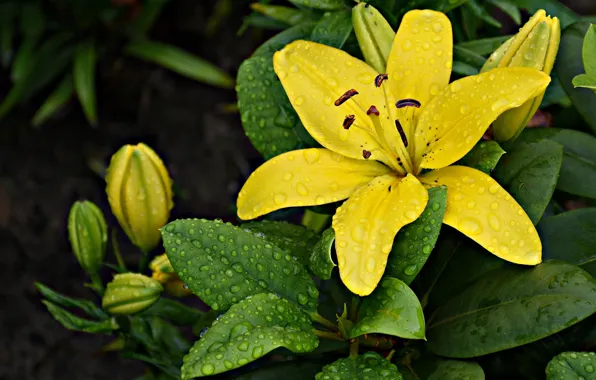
(333, 29)
(320, 261)
(461, 54)
(366, 366)
(326, 5)
(553, 8)
(84, 63)
(414, 243)
(59, 299)
(72, 322)
(478, 10)
(224, 264)
(57, 99)
(484, 156)
(484, 46)
(572, 366)
(457, 370)
(250, 329)
(287, 15)
(175, 311)
(508, 8)
(570, 237)
(391, 309)
(585, 81)
(510, 307)
(529, 172)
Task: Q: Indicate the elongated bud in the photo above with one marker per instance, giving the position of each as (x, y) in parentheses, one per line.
(129, 293)
(375, 35)
(535, 46)
(164, 273)
(139, 190)
(88, 235)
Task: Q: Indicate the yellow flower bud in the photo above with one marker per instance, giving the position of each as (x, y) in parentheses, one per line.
(88, 235)
(375, 35)
(140, 193)
(130, 293)
(162, 269)
(535, 45)
(175, 287)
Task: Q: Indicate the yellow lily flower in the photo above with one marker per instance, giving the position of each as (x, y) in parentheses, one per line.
(381, 133)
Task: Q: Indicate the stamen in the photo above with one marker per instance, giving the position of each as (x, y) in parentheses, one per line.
(347, 95)
(402, 133)
(407, 103)
(380, 78)
(348, 121)
(372, 110)
(366, 154)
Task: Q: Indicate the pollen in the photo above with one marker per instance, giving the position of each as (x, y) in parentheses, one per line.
(348, 121)
(373, 111)
(407, 103)
(402, 133)
(380, 78)
(347, 95)
(366, 154)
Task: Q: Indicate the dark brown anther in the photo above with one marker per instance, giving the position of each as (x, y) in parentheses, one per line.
(380, 78)
(373, 111)
(366, 154)
(402, 133)
(407, 103)
(348, 121)
(347, 95)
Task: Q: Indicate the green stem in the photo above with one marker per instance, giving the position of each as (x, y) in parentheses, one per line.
(354, 309)
(354, 345)
(97, 285)
(144, 262)
(390, 356)
(381, 343)
(315, 221)
(327, 335)
(316, 317)
(117, 253)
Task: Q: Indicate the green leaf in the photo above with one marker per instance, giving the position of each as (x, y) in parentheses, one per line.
(461, 54)
(589, 51)
(555, 94)
(287, 15)
(333, 29)
(296, 239)
(224, 264)
(159, 338)
(320, 262)
(529, 172)
(578, 170)
(414, 243)
(508, 8)
(391, 309)
(484, 156)
(57, 99)
(569, 64)
(484, 46)
(72, 322)
(585, 81)
(464, 69)
(56, 298)
(448, 5)
(325, 5)
(572, 366)
(457, 370)
(150, 12)
(250, 329)
(177, 312)
(570, 237)
(32, 20)
(180, 61)
(290, 370)
(478, 10)
(85, 60)
(553, 8)
(511, 307)
(366, 366)
(24, 60)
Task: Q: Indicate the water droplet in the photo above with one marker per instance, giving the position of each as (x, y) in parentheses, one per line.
(470, 205)
(371, 264)
(386, 248)
(257, 352)
(298, 101)
(470, 226)
(208, 369)
(312, 155)
(410, 270)
(434, 89)
(288, 176)
(170, 228)
(358, 233)
(406, 45)
(464, 109)
(493, 188)
(280, 198)
(294, 68)
(427, 248)
(301, 189)
(438, 27)
(494, 222)
(499, 104)
(411, 215)
(302, 299)
(589, 368)
(243, 346)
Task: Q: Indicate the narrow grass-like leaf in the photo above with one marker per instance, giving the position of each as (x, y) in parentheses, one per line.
(84, 64)
(57, 99)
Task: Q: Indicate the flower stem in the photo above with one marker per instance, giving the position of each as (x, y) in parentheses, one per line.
(381, 343)
(354, 344)
(390, 356)
(116, 249)
(316, 317)
(144, 262)
(96, 284)
(327, 335)
(315, 221)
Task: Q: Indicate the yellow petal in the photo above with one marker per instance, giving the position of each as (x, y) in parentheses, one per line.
(481, 209)
(303, 178)
(314, 77)
(458, 117)
(366, 224)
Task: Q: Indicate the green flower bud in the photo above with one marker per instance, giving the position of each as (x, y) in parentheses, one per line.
(88, 235)
(140, 193)
(375, 35)
(535, 45)
(130, 293)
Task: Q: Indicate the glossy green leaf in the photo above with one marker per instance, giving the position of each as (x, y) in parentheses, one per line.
(578, 170)
(553, 8)
(572, 366)
(555, 94)
(369, 365)
(414, 243)
(296, 239)
(569, 64)
(85, 60)
(174, 311)
(59, 299)
(464, 69)
(204, 322)
(326, 5)
(290, 16)
(250, 329)
(484, 156)
(57, 99)
(333, 29)
(448, 5)
(570, 236)
(224, 264)
(483, 46)
(529, 172)
(391, 309)
(320, 261)
(477, 9)
(160, 338)
(24, 60)
(589, 51)
(457, 370)
(585, 81)
(510, 307)
(508, 8)
(72, 322)
(461, 54)
(180, 61)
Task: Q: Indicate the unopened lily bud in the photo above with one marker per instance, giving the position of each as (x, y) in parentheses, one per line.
(139, 190)
(129, 293)
(535, 46)
(176, 288)
(88, 235)
(375, 35)
(164, 273)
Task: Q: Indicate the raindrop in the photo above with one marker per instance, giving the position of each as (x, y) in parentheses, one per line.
(208, 369)
(280, 198)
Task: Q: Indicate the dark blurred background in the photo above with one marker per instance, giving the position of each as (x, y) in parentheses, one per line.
(43, 171)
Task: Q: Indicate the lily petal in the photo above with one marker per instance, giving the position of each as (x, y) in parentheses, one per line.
(458, 117)
(303, 178)
(481, 209)
(366, 224)
(315, 76)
